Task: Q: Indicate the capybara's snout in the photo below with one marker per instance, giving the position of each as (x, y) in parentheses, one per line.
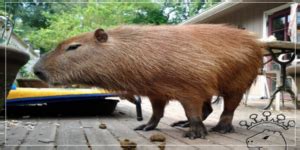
(39, 71)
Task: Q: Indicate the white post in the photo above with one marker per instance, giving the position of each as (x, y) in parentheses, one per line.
(277, 101)
(222, 104)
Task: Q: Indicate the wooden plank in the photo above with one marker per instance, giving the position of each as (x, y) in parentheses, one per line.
(121, 132)
(213, 142)
(85, 131)
(33, 147)
(98, 138)
(243, 113)
(242, 134)
(131, 123)
(16, 133)
(42, 136)
(2, 133)
(239, 137)
(8, 148)
(2, 127)
(165, 128)
(70, 136)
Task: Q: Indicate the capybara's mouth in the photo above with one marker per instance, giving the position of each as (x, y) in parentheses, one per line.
(57, 83)
(53, 82)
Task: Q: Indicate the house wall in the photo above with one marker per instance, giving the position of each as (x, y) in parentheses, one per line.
(249, 16)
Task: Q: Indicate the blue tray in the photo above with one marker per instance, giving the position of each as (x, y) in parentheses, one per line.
(55, 99)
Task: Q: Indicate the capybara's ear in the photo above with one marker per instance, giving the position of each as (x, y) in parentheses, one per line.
(101, 35)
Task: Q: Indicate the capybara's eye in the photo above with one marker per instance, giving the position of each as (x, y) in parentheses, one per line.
(73, 47)
(266, 137)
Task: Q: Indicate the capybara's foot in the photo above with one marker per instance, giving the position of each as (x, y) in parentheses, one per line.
(197, 129)
(223, 128)
(181, 123)
(198, 132)
(146, 127)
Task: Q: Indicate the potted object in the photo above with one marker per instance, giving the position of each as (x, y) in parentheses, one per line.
(11, 58)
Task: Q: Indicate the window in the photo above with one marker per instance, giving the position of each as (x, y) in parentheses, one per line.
(279, 22)
(278, 25)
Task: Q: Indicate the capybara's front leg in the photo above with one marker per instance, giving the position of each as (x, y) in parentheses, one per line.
(193, 112)
(158, 107)
(206, 110)
(225, 123)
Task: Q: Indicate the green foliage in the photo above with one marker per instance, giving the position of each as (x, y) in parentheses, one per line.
(88, 17)
(179, 11)
(150, 14)
(2, 8)
(80, 19)
(46, 24)
(24, 73)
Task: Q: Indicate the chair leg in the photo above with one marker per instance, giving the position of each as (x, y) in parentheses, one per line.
(272, 98)
(282, 98)
(139, 114)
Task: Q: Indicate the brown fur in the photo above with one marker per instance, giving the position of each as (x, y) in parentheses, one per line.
(190, 63)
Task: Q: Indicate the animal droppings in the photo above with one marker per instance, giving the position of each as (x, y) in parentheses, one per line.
(162, 146)
(102, 126)
(126, 144)
(157, 138)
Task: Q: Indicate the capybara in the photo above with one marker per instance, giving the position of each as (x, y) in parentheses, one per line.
(189, 63)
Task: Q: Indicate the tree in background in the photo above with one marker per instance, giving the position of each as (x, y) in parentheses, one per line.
(179, 11)
(45, 24)
(78, 19)
(150, 14)
(87, 17)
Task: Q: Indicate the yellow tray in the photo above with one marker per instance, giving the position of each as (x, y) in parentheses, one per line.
(44, 92)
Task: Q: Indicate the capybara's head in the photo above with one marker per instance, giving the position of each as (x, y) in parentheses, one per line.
(266, 138)
(71, 59)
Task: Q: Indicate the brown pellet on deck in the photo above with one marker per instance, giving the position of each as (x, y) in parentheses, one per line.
(126, 144)
(102, 126)
(157, 138)
(162, 146)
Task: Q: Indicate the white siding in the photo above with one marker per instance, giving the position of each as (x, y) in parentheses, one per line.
(249, 16)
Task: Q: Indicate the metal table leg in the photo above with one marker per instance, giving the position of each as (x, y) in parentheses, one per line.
(139, 115)
(283, 87)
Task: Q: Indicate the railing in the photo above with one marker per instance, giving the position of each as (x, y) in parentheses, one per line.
(6, 30)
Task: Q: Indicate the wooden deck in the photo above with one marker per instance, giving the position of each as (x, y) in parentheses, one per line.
(83, 133)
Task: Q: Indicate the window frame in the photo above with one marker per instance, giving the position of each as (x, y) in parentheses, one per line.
(282, 13)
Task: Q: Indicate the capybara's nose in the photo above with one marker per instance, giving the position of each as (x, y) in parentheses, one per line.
(40, 74)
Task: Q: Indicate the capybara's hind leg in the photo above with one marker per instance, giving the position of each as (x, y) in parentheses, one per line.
(158, 106)
(206, 110)
(193, 110)
(231, 102)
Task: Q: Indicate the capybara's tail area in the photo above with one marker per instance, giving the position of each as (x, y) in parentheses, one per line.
(251, 83)
(256, 64)
(244, 78)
